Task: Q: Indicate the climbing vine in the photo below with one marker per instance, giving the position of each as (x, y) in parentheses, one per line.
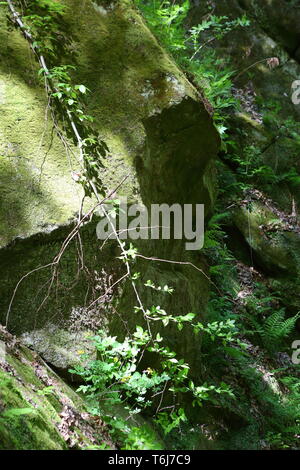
(117, 377)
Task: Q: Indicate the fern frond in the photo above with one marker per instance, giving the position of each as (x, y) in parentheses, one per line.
(276, 328)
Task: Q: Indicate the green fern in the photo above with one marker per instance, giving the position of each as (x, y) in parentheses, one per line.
(276, 328)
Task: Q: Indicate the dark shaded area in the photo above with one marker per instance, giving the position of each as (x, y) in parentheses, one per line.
(69, 289)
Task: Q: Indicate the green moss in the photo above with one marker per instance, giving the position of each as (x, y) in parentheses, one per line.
(26, 255)
(275, 250)
(29, 417)
(34, 429)
(32, 160)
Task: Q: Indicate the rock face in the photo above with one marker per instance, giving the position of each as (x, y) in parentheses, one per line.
(59, 346)
(279, 19)
(265, 91)
(265, 131)
(38, 411)
(162, 143)
(159, 135)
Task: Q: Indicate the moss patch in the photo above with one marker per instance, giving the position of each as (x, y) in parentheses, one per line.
(34, 403)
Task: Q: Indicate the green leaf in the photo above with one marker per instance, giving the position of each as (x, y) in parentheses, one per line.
(82, 89)
(17, 412)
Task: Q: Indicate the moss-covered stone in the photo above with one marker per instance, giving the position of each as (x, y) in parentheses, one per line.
(38, 411)
(159, 135)
(130, 77)
(275, 248)
(32, 161)
(59, 346)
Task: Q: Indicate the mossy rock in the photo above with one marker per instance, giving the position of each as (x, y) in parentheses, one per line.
(38, 411)
(281, 19)
(159, 135)
(276, 249)
(130, 77)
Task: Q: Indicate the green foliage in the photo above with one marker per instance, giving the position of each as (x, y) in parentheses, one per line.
(276, 328)
(42, 20)
(46, 391)
(220, 258)
(275, 416)
(165, 288)
(214, 233)
(51, 6)
(249, 162)
(128, 253)
(15, 412)
(69, 95)
(271, 414)
(223, 330)
(170, 421)
(156, 313)
(288, 438)
(274, 419)
(166, 19)
(190, 49)
(68, 102)
(266, 320)
(252, 171)
(115, 377)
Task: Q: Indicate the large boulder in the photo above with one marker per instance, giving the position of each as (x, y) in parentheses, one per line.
(159, 135)
(280, 19)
